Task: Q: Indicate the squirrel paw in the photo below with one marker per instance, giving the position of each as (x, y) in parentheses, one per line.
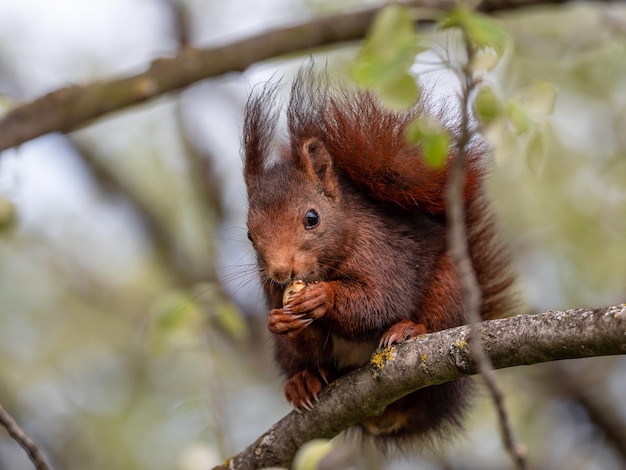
(283, 321)
(401, 331)
(313, 301)
(302, 388)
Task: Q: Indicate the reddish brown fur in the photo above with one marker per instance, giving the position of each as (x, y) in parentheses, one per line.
(376, 261)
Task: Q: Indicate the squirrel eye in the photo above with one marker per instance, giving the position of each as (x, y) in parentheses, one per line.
(311, 219)
(250, 236)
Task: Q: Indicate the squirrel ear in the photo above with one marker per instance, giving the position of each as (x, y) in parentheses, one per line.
(318, 162)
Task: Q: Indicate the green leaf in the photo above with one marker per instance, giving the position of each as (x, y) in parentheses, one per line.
(432, 137)
(400, 94)
(389, 49)
(518, 117)
(373, 72)
(483, 31)
(486, 59)
(487, 106)
(311, 453)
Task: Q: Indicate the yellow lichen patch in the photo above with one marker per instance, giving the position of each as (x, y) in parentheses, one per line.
(384, 355)
(424, 357)
(617, 311)
(380, 358)
(461, 344)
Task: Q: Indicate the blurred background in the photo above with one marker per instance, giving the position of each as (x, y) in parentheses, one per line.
(132, 330)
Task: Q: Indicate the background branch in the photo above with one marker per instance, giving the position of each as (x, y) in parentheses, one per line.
(17, 433)
(433, 359)
(576, 386)
(69, 108)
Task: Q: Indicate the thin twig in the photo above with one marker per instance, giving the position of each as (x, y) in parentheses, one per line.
(17, 433)
(459, 252)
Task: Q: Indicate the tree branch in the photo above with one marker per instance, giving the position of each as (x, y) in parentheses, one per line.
(67, 109)
(433, 359)
(17, 433)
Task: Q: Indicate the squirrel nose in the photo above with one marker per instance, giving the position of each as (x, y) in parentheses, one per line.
(281, 273)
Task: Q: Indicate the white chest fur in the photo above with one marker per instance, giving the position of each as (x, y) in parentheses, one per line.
(350, 354)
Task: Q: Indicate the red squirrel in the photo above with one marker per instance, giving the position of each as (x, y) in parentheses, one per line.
(350, 208)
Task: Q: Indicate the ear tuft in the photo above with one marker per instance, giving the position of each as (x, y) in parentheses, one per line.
(261, 115)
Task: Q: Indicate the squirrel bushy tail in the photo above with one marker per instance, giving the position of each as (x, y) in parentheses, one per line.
(368, 143)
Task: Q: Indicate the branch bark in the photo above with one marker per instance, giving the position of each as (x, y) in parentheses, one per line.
(69, 108)
(433, 359)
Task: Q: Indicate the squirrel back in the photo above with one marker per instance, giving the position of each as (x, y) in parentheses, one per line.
(351, 209)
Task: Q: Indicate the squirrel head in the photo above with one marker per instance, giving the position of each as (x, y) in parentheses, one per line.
(294, 214)
(343, 145)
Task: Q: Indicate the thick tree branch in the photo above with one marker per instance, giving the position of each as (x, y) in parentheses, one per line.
(433, 359)
(69, 108)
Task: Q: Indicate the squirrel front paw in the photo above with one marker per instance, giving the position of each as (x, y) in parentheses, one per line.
(301, 308)
(302, 388)
(282, 321)
(401, 331)
(313, 300)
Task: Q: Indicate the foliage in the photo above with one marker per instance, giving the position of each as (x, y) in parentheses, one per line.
(386, 56)
(119, 343)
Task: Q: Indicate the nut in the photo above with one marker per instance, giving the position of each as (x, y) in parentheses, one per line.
(292, 288)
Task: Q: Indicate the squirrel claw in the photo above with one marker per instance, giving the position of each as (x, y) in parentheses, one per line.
(302, 388)
(400, 332)
(313, 300)
(283, 322)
